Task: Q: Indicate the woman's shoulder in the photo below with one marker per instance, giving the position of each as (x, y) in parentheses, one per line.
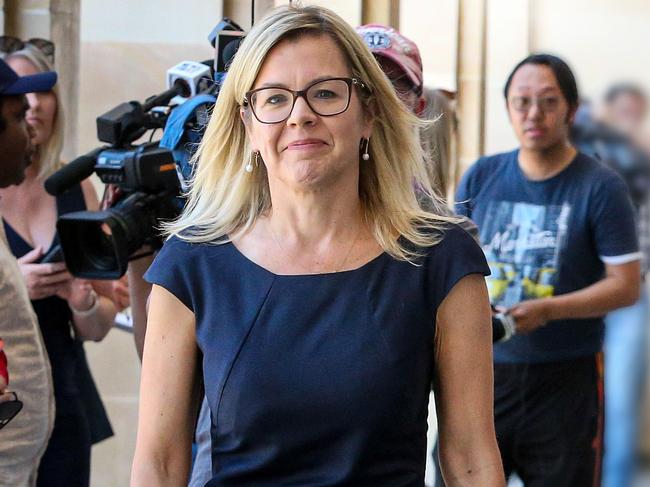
(450, 238)
(186, 244)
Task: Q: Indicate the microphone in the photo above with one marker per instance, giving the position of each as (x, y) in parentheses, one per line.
(72, 173)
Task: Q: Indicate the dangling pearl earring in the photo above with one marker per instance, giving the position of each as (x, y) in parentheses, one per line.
(253, 158)
(366, 156)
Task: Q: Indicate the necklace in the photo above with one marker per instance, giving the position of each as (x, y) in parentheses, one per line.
(338, 268)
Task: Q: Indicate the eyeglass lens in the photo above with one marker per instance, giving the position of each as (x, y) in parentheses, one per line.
(546, 104)
(325, 98)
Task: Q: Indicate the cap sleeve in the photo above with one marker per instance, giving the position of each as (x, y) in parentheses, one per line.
(457, 255)
(172, 269)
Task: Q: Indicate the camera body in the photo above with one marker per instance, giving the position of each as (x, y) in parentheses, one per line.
(504, 327)
(145, 191)
(146, 182)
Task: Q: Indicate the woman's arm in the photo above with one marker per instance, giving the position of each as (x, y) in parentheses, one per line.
(463, 387)
(169, 394)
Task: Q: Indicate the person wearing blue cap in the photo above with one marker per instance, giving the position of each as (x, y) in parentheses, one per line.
(23, 440)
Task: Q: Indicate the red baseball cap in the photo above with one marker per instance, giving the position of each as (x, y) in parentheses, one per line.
(386, 41)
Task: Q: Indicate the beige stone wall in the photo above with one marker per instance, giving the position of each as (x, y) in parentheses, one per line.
(435, 31)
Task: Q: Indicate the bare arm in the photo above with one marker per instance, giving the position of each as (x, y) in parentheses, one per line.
(117, 291)
(139, 290)
(81, 294)
(168, 395)
(463, 386)
(96, 324)
(619, 288)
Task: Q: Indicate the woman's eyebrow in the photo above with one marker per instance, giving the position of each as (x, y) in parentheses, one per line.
(272, 84)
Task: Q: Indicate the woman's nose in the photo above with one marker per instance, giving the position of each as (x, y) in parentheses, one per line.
(301, 113)
(33, 101)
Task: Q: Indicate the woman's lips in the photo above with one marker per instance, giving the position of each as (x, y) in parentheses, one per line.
(306, 144)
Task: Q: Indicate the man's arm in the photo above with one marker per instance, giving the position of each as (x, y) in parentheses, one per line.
(619, 288)
(139, 291)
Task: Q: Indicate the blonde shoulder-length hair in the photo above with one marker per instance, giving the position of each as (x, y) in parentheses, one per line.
(48, 156)
(224, 200)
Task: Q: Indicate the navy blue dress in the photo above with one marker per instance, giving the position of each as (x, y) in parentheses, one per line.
(316, 380)
(80, 416)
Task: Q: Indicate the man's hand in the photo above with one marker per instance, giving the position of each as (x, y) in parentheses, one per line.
(78, 293)
(43, 280)
(530, 315)
(120, 292)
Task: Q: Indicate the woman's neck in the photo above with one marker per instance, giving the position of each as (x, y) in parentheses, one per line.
(307, 217)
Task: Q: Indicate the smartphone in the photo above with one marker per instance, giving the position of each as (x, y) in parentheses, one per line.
(9, 409)
(54, 255)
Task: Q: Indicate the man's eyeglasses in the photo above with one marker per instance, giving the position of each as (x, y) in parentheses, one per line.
(9, 44)
(546, 104)
(327, 97)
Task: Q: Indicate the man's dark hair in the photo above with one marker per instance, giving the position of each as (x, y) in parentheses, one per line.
(618, 89)
(561, 70)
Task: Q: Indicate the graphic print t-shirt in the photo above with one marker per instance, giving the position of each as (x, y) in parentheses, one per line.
(546, 238)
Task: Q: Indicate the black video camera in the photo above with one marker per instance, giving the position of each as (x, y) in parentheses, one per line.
(144, 189)
(144, 179)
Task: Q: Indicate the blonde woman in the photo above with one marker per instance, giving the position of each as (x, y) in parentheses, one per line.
(67, 308)
(307, 290)
(438, 140)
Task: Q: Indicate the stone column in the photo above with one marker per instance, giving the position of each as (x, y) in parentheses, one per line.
(240, 11)
(64, 29)
(470, 77)
(380, 12)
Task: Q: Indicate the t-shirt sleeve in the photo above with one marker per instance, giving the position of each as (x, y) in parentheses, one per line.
(171, 269)
(612, 218)
(456, 256)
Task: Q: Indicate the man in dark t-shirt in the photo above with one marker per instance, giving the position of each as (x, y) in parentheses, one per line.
(558, 231)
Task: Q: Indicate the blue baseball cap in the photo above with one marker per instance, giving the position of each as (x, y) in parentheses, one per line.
(12, 84)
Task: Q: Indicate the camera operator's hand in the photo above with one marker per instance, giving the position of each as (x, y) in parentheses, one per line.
(120, 292)
(43, 280)
(79, 294)
(530, 315)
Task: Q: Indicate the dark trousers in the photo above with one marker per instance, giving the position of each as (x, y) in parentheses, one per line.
(549, 422)
(66, 461)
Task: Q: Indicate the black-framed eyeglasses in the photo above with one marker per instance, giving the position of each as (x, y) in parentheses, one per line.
(9, 44)
(546, 104)
(326, 97)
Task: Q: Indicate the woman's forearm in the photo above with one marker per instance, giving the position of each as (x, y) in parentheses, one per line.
(147, 472)
(459, 470)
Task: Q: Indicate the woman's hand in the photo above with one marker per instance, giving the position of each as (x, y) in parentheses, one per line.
(43, 280)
